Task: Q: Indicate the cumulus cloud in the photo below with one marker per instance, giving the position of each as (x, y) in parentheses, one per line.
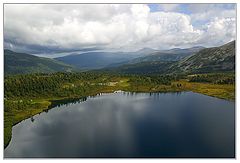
(58, 28)
(221, 28)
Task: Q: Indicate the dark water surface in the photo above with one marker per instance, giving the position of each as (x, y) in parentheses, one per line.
(130, 125)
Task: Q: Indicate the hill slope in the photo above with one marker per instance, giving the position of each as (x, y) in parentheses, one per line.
(216, 59)
(97, 60)
(168, 55)
(21, 63)
(153, 67)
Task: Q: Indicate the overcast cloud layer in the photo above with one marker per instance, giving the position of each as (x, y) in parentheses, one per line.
(66, 28)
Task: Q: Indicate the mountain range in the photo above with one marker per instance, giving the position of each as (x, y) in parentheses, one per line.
(22, 63)
(98, 60)
(200, 60)
(95, 60)
(209, 60)
(190, 60)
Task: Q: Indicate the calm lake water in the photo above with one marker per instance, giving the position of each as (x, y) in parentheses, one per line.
(130, 125)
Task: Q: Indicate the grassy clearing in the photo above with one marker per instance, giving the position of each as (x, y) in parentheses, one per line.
(16, 114)
(223, 91)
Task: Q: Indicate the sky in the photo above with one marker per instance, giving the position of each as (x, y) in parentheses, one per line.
(50, 29)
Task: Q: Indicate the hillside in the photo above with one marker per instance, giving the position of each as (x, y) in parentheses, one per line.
(153, 67)
(216, 59)
(93, 60)
(22, 63)
(168, 55)
(144, 61)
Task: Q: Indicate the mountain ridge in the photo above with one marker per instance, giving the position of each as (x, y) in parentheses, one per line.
(207, 60)
(221, 58)
(191, 60)
(23, 63)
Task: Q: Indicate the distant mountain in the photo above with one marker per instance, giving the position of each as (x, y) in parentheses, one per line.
(144, 61)
(97, 60)
(22, 63)
(153, 67)
(216, 59)
(145, 51)
(193, 60)
(168, 55)
(183, 51)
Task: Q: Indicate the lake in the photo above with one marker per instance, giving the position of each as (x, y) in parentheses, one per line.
(126, 124)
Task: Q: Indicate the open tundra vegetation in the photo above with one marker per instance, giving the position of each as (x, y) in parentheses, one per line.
(35, 84)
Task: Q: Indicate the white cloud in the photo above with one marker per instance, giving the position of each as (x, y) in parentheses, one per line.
(168, 7)
(123, 26)
(219, 31)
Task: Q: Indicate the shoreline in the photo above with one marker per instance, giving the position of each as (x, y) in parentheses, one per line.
(49, 103)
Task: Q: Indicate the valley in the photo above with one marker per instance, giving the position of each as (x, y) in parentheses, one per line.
(134, 80)
(34, 84)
